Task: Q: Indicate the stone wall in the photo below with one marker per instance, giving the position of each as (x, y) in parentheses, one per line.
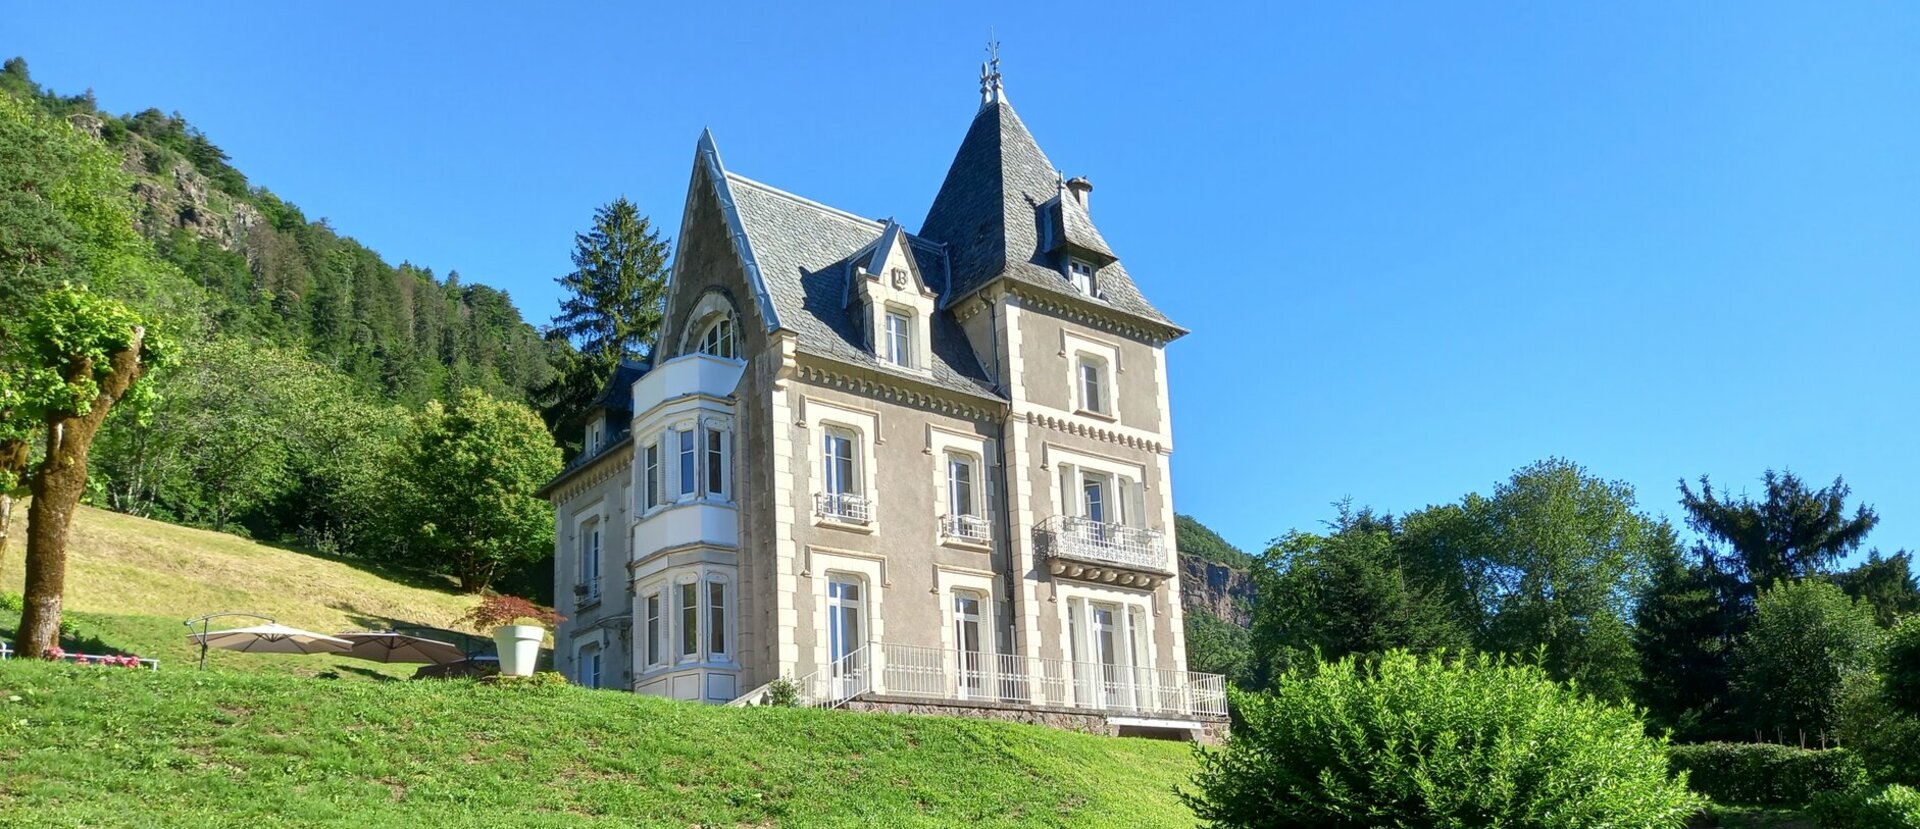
(1211, 732)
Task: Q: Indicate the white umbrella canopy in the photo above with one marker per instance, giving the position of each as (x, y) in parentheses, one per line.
(391, 646)
(270, 638)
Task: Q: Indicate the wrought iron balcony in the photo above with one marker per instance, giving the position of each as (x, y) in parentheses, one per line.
(845, 507)
(1082, 548)
(969, 528)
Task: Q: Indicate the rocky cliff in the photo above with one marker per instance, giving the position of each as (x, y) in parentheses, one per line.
(1226, 592)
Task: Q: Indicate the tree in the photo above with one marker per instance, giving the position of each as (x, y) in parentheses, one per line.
(1793, 532)
(1343, 593)
(1884, 583)
(613, 307)
(465, 481)
(1807, 641)
(1684, 635)
(1216, 646)
(1193, 538)
(1550, 563)
(614, 294)
(228, 436)
(1900, 667)
(78, 356)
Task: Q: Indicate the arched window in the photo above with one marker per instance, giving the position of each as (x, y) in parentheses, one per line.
(717, 340)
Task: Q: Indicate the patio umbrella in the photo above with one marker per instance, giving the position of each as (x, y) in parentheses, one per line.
(270, 638)
(391, 646)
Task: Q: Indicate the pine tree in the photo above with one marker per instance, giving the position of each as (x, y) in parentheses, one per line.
(614, 305)
(617, 286)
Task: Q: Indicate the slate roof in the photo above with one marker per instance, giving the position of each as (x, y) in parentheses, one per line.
(993, 206)
(806, 253)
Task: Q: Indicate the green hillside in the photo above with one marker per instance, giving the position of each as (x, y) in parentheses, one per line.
(131, 581)
(266, 741)
(105, 747)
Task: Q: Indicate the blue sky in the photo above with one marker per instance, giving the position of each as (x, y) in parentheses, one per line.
(1419, 245)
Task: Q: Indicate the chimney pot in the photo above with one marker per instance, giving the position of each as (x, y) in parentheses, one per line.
(1079, 186)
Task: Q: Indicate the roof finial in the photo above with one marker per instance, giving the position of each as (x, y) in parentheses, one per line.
(990, 89)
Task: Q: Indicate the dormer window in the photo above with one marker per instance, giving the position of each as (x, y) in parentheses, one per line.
(595, 436)
(717, 340)
(899, 339)
(1080, 271)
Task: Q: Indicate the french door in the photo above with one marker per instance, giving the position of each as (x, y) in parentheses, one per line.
(846, 635)
(969, 654)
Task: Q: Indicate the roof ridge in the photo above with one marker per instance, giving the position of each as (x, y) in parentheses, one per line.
(877, 224)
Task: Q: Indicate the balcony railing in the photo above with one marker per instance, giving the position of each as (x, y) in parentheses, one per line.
(843, 506)
(970, 528)
(937, 673)
(1103, 543)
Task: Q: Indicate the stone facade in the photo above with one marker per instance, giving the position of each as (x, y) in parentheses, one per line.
(889, 464)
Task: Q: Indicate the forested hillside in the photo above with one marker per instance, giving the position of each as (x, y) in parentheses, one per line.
(272, 275)
(302, 389)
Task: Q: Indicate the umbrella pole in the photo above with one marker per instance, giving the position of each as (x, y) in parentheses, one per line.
(205, 626)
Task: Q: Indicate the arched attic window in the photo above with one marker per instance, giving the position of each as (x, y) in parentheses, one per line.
(717, 339)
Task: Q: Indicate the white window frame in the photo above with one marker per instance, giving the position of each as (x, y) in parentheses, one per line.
(1084, 276)
(899, 335)
(686, 640)
(1093, 367)
(588, 564)
(652, 468)
(1126, 496)
(653, 605)
(717, 339)
(823, 417)
(716, 456)
(686, 462)
(716, 596)
(972, 463)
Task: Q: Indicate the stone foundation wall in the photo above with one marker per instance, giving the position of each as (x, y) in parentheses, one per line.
(1211, 732)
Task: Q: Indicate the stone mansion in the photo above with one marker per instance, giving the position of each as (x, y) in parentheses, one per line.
(907, 470)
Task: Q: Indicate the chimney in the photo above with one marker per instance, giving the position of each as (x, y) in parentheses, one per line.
(1080, 187)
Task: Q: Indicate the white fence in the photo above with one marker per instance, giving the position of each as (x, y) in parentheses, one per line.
(937, 673)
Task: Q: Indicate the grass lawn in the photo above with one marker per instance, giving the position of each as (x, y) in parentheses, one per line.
(131, 581)
(113, 747)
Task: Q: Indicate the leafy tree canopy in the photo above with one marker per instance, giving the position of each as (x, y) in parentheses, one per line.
(1808, 640)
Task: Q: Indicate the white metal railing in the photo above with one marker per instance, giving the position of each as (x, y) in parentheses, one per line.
(938, 673)
(1098, 541)
(964, 527)
(842, 680)
(843, 506)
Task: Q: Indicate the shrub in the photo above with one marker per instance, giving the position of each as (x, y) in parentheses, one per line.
(783, 693)
(1892, 807)
(1763, 774)
(1397, 740)
(1886, 739)
(496, 609)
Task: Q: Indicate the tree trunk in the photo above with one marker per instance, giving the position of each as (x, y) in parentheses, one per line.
(13, 470)
(57, 485)
(6, 524)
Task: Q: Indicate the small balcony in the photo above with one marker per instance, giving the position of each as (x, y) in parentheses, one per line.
(1105, 553)
(844, 507)
(971, 529)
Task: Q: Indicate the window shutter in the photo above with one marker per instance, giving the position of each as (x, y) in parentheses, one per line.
(1070, 504)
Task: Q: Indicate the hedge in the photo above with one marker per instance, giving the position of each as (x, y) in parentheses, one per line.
(1764, 774)
(1892, 807)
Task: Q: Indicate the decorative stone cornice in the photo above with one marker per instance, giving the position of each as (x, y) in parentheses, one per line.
(1089, 430)
(611, 464)
(884, 388)
(1115, 322)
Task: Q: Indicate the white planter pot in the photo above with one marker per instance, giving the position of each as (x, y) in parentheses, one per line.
(519, 647)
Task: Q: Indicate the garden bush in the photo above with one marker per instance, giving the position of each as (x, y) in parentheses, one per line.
(1886, 739)
(1892, 807)
(1398, 740)
(1764, 774)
